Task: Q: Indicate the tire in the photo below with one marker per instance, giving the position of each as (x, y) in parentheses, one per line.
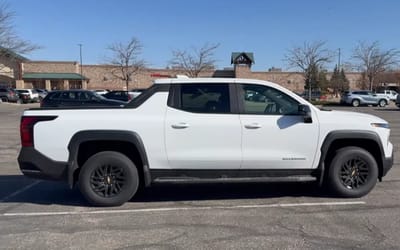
(353, 172)
(98, 181)
(382, 103)
(355, 103)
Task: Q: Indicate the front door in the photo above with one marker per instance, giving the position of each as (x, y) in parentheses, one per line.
(274, 134)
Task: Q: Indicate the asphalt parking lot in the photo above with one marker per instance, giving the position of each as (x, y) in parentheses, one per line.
(36, 214)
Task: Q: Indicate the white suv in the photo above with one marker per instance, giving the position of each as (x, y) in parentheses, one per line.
(33, 94)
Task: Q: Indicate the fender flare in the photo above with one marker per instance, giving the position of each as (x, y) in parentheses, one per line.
(105, 135)
(348, 134)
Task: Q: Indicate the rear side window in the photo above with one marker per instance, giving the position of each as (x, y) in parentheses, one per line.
(204, 98)
(69, 96)
(54, 96)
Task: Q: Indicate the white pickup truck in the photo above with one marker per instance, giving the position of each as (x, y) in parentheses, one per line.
(204, 130)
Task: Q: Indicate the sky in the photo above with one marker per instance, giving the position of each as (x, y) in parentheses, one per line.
(266, 28)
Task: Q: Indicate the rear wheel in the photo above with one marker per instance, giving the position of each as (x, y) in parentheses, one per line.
(353, 172)
(108, 179)
(382, 103)
(355, 103)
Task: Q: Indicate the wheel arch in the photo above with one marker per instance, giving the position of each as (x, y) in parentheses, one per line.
(84, 144)
(335, 140)
(356, 99)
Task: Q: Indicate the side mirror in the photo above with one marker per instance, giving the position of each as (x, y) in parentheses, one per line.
(305, 111)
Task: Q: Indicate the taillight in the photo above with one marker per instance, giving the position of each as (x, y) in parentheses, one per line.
(26, 128)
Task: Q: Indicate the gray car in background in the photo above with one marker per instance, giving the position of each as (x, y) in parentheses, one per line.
(363, 97)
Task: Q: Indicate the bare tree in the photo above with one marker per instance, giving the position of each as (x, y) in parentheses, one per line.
(309, 58)
(194, 62)
(9, 40)
(125, 60)
(373, 61)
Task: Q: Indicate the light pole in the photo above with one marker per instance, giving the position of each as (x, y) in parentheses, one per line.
(80, 57)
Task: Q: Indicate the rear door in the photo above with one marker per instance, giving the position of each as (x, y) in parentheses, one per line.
(202, 128)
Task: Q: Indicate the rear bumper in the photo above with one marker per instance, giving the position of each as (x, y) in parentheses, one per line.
(34, 164)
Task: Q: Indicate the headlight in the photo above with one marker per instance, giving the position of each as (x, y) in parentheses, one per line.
(380, 125)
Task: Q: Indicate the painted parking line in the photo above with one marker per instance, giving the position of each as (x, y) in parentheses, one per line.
(19, 191)
(172, 209)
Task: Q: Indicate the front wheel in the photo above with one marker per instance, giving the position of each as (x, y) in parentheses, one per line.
(382, 103)
(353, 172)
(108, 179)
(355, 103)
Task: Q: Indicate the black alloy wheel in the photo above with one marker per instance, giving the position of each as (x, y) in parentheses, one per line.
(108, 180)
(352, 173)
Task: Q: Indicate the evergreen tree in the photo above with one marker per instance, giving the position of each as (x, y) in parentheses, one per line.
(316, 79)
(339, 82)
(344, 82)
(335, 81)
(323, 83)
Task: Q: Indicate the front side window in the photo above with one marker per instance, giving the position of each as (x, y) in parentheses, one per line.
(205, 98)
(260, 99)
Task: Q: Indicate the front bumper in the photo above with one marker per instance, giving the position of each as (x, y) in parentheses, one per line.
(387, 164)
(34, 164)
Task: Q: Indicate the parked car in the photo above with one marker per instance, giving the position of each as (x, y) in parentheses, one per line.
(24, 96)
(42, 93)
(68, 98)
(363, 97)
(391, 94)
(8, 95)
(120, 95)
(33, 94)
(398, 101)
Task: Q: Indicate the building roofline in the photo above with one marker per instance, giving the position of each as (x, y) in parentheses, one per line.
(12, 53)
(55, 62)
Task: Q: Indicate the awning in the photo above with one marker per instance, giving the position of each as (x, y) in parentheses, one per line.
(54, 76)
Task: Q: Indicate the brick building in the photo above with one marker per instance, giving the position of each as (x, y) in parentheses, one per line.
(23, 73)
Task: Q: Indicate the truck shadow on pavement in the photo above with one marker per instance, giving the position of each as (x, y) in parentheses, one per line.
(20, 189)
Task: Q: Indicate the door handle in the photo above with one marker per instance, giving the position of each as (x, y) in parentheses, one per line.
(252, 126)
(180, 125)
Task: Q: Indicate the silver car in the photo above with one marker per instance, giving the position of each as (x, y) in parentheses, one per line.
(363, 97)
